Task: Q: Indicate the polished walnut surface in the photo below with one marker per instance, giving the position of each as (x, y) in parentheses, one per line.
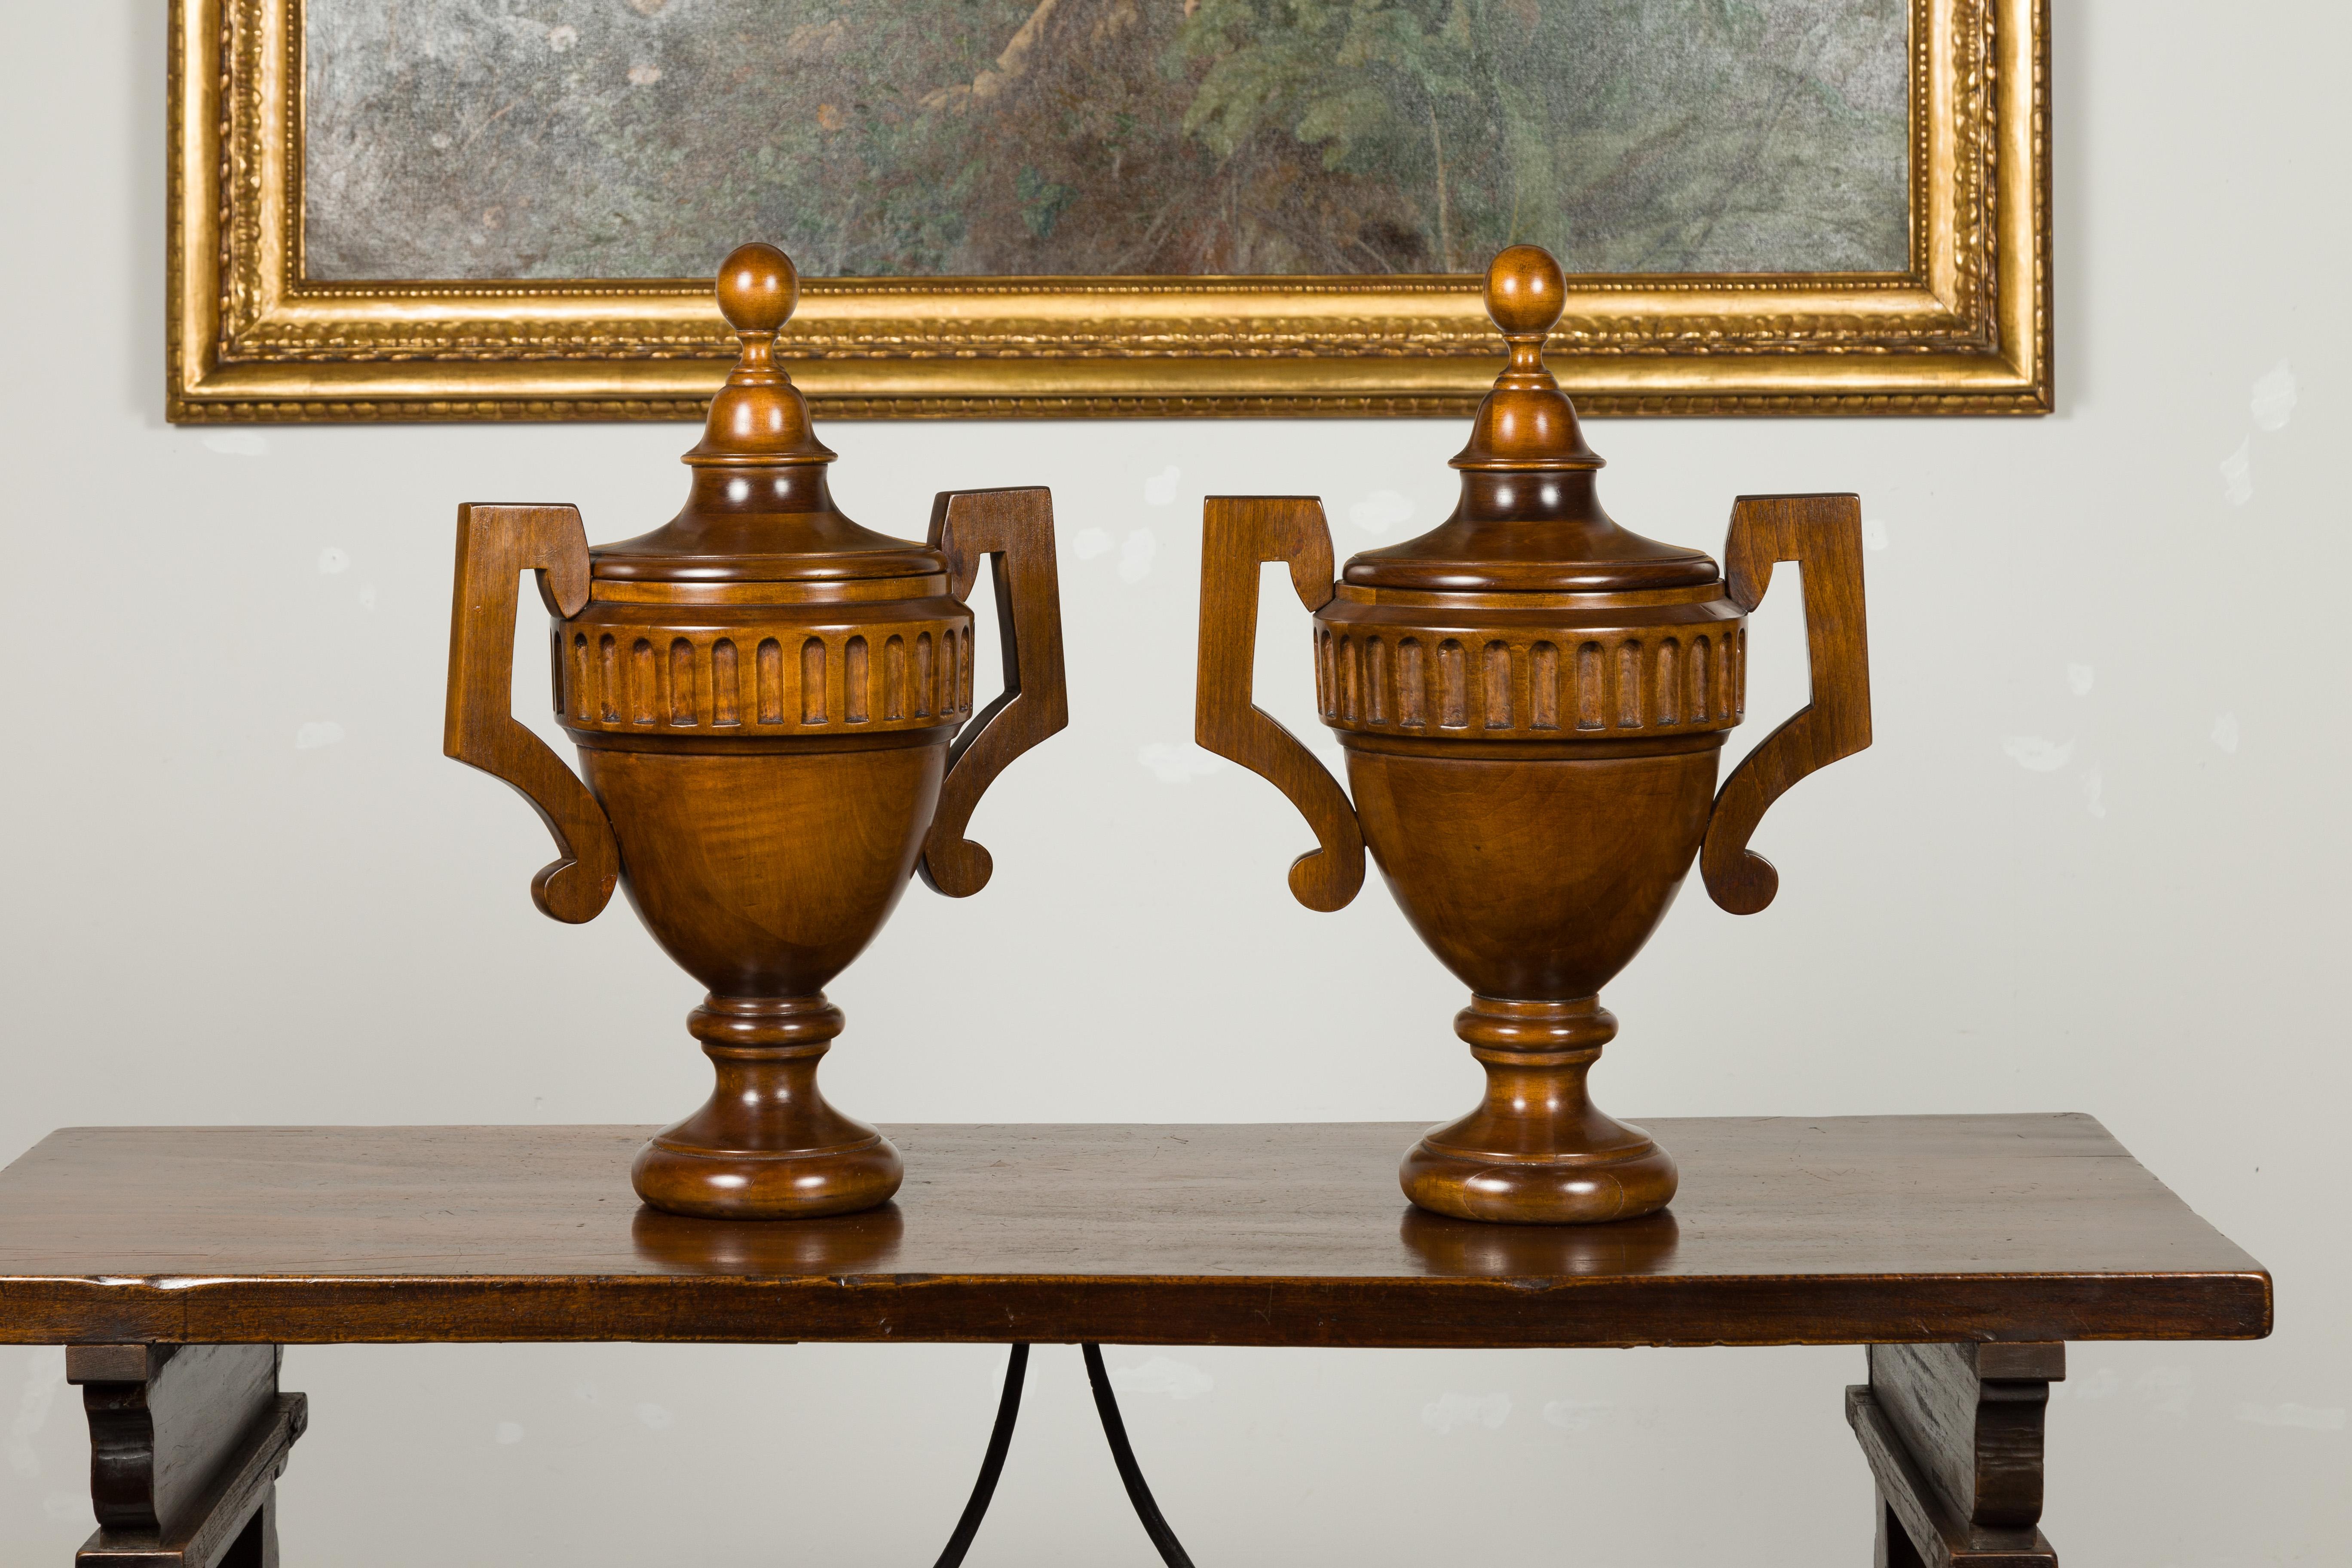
(773, 708)
(1533, 702)
(1787, 1230)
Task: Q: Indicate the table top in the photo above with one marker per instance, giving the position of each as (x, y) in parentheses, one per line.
(1834, 1230)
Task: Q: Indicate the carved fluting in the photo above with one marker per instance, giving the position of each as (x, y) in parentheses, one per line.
(1570, 684)
(792, 680)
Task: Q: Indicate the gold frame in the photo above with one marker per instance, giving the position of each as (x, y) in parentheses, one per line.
(1966, 330)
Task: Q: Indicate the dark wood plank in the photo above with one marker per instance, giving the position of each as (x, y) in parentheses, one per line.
(1935, 1536)
(1977, 1437)
(158, 1440)
(1893, 1548)
(234, 1523)
(256, 1547)
(1837, 1230)
(116, 1363)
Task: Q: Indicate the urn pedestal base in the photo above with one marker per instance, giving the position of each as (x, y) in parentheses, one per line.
(766, 1145)
(1538, 1152)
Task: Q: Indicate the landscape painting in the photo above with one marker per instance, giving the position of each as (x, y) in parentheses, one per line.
(1119, 209)
(913, 139)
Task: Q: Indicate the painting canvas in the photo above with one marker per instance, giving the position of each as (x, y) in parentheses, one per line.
(510, 209)
(484, 139)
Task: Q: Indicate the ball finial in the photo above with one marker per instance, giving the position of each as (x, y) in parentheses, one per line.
(758, 288)
(1527, 421)
(759, 417)
(1525, 291)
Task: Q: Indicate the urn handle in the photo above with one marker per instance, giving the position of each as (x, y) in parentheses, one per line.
(1013, 531)
(1238, 533)
(1823, 535)
(495, 544)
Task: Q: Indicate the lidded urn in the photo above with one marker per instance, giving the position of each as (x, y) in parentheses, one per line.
(1533, 700)
(773, 706)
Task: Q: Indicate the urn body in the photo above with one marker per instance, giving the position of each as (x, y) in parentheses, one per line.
(1533, 702)
(1533, 772)
(773, 710)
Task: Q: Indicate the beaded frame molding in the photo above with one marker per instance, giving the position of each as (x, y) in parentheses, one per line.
(1964, 330)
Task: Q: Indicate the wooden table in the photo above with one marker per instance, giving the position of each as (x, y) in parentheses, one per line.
(1964, 1250)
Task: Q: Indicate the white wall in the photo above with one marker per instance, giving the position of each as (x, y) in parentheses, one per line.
(205, 923)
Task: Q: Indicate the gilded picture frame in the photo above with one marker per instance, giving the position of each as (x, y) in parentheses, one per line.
(1964, 329)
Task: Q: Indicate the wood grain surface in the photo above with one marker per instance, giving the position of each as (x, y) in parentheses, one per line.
(1787, 1230)
(766, 695)
(1917, 1525)
(157, 1441)
(1239, 533)
(1012, 531)
(495, 545)
(1823, 533)
(1977, 1437)
(1533, 700)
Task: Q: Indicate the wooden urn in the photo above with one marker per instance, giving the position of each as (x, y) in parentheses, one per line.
(773, 711)
(1532, 701)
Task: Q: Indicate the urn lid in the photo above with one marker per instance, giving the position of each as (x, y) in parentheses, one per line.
(1529, 520)
(760, 511)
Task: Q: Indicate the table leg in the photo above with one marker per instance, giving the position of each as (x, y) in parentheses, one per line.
(1953, 1433)
(186, 1443)
(1894, 1548)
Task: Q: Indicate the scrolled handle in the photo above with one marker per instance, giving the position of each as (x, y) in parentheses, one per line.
(1823, 534)
(1237, 534)
(495, 545)
(1013, 531)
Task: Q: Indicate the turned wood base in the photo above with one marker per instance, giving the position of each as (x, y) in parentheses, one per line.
(1538, 1152)
(766, 1145)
